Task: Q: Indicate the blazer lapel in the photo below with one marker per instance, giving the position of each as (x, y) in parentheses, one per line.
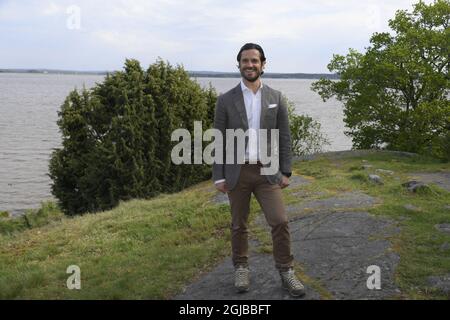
(239, 103)
(264, 106)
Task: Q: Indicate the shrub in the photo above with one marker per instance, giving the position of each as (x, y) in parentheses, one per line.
(116, 137)
(305, 133)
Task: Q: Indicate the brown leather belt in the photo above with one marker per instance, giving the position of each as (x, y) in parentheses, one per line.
(258, 163)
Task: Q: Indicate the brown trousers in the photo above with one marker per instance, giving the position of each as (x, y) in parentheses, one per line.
(270, 199)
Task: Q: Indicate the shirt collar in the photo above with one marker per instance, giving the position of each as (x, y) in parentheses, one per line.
(245, 88)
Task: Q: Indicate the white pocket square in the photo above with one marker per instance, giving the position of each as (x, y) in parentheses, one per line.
(273, 106)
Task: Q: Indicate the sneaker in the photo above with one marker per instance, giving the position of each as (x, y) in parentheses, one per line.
(292, 284)
(241, 279)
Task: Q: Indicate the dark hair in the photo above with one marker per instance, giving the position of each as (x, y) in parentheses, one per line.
(249, 46)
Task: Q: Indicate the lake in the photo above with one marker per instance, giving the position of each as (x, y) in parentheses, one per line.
(28, 129)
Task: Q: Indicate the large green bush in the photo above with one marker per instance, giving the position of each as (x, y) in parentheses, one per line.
(116, 137)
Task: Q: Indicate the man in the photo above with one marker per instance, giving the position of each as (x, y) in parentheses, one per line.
(252, 105)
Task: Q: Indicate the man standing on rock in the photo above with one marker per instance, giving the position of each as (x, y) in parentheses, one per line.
(252, 106)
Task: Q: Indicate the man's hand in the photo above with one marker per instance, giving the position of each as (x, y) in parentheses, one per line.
(284, 182)
(222, 187)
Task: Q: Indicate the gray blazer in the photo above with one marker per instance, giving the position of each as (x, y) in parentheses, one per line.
(230, 113)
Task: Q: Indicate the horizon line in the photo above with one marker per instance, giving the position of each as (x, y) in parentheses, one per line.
(111, 71)
(192, 74)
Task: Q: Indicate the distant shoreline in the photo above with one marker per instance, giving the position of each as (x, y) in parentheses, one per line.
(194, 74)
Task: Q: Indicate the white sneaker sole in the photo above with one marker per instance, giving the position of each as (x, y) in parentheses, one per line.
(300, 294)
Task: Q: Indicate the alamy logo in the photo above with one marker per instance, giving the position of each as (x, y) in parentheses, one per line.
(374, 281)
(214, 152)
(73, 21)
(74, 281)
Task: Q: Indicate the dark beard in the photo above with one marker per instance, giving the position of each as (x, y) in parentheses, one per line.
(252, 79)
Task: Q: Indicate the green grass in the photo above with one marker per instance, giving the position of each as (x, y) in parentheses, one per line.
(47, 213)
(151, 249)
(143, 249)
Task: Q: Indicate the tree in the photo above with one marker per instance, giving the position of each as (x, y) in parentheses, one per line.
(116, 137)
(306, 134)
(395, 95)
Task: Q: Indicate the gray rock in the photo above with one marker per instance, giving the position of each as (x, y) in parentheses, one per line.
(305, 194)
(411, 207)
(441, 179)
(445, 246)
(414, 185)
(382, 171)
(265, 283)
(220, 198)
(295, 181)
(441, 283)
(447, 207)
(375, 178)
(336, 248)
(444, 227)
(347, 201)
(366, 166)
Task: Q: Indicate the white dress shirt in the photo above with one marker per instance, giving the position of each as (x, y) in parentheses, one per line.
(253, 107)
(252, 103)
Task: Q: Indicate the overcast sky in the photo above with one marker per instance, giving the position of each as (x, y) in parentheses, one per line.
(297, 35)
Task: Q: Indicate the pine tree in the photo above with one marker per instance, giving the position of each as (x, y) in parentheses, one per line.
(117, 137)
